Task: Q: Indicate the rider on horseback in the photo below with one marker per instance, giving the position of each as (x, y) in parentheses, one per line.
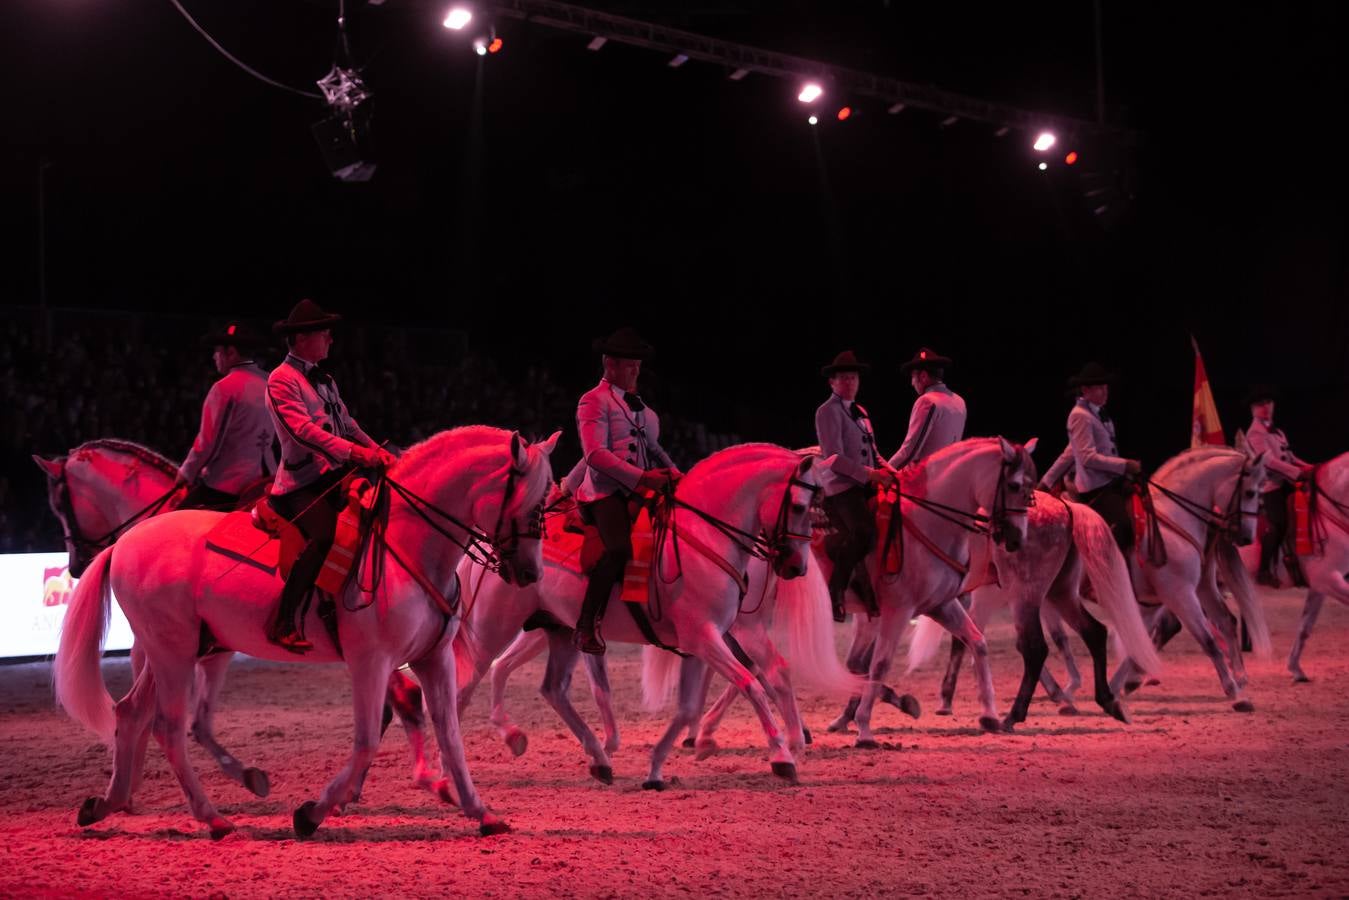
(843, 429)
(236, 445)
(938, 416)
(620, 444)
(1102, 478)
(320, 444)
(1285, 469)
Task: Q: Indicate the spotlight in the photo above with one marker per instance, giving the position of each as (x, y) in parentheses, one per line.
(1044, 141)
(1071, 157)
(457, 18)
(480, 46)
(814, 120)
(1044, 166)
(810, 93)
(495, 46)
(596, 43)
(738, 74)
(844, 113)
(677, 60)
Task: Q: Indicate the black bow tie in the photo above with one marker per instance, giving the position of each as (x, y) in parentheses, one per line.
(634, 402)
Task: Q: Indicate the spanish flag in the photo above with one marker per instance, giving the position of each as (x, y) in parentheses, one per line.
(1205, 427)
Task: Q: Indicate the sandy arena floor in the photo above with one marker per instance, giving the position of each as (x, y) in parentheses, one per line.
(1191, 799)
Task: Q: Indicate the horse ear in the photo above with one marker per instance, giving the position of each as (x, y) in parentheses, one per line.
(826, 464)
(1032, 444)
(52, 467)
(518, 454)
(1009, 453)
(1240, 443)
(548, 446)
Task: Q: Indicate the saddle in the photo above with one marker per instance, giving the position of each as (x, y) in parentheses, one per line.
(580, 552)
(263, 538)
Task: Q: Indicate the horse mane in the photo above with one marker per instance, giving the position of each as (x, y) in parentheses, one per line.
(915, 473)
(139, 451)
(476, 445)
(738, 454)
(1193, 457)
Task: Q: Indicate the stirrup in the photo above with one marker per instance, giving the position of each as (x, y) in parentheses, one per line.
(589, 641)
(292, 641)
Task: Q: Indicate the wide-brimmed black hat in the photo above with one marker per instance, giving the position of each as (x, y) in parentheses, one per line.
(1259, 393)
(625, 343)
(306, 316)
(846, 361)
(926, 359)
(1092, 373)
(234, 334)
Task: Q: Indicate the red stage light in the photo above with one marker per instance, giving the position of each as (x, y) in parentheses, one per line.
(495, 46)
(844, 113)
(1071, 157)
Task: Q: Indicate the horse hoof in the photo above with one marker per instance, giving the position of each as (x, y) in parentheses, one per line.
(785, 770)
(305, 826)
(89, 812)
(653, 785)
(518, 741)
(220, 828)
(689, 743)
(806, 731)
(1008, 725)
(837, 727)
(866, 744)
(442, 790)
(990, 724)
(944, 711)
(1153, 682)
(602, 774)
(1116, 710)
(257, 781)
(1068, 710)
(491, 825)
(1301, 678)
(909, 705)
(1244, 706)
(707, 748)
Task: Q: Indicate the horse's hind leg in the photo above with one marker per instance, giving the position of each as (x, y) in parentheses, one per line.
(133, 718)
(173, 689)
(210, 678)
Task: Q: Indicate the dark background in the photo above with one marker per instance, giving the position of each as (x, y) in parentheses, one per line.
(590, 190)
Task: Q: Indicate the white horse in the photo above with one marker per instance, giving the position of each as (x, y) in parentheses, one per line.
(1325, 567)
(469, 486)
(1200, 496)
(943, 499)
(748, 499)
(99, 491)
(1062, 539)
(793, 613)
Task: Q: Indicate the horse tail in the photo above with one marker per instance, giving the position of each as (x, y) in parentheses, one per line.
(924, 642)
(77, 672)
(1109, 575)
(805, 624)
(660, 677)
(1239, 581)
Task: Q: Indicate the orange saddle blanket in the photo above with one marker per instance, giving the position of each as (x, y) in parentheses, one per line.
(579, 552)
